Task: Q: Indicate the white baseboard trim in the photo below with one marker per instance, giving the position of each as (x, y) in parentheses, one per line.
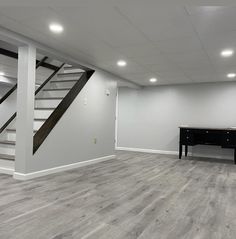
(9, 171)
(154, 151)
(21, 176)
(151, 151)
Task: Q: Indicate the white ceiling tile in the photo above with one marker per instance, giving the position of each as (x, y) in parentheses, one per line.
(141, 50)
(201, 71)
(163, 67)
(191, 60)
(173, 43)
(20, 13)
(158, 23)
(215, 43)
(117, 33)
(158, 59)
(213, 19)
(171, 74)
(180, 45)
(143, 79)
(131, 67)
(219, 41)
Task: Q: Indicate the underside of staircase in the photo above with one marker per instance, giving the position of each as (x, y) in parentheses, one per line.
(52, 99)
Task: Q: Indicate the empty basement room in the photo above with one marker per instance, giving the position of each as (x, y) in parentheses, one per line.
(117, 119)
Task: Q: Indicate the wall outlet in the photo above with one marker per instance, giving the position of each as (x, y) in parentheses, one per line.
(108, 92)
(95, 140)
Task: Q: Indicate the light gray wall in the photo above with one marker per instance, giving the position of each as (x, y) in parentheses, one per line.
(72, 139)
(149, 118)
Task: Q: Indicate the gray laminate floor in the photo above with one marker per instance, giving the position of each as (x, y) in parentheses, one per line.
(137, 195)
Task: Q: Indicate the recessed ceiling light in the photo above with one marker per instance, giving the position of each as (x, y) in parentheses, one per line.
(121, 63)
(227, 53)
(231, 75)
(2, 73)
(153, 80)
(56, 28)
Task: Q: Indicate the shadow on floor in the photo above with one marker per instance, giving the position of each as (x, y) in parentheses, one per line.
(210, 160)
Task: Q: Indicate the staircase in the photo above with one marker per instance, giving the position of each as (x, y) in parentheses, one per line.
(52, 99)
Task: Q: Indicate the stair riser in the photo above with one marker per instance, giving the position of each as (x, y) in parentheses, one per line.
(7, 149)
(58, 93)
(47, 103)
(3, 135)
(11, 136)
(42, 74)
(55, 63)
(62, 84)
(42, 114)
(73, 71)
(69, 77)
(37, 125)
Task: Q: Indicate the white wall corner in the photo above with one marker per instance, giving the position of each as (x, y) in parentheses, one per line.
(21, 176)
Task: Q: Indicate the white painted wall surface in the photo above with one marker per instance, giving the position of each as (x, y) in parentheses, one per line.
(149, 118)
(90, 116)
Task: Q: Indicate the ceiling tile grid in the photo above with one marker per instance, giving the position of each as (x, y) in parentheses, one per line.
(177, 44)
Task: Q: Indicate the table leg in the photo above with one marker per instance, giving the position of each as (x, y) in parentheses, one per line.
(234, 155)
(186, 150)
(180, 150)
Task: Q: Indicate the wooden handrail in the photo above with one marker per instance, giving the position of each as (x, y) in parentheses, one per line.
(7, 123)
(8, 93)
(49, 78)
(15, 86)
(44, 83)
(50, 123)
(41, 62)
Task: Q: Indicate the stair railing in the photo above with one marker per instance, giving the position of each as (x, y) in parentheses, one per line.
(57, 69)
(50, 123)
(15, 86)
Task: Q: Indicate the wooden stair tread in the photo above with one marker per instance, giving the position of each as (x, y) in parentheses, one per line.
(7, 156)
(69, 73)
(57, 89)
(63, 81)
(14, 130)
(9, 142)
(44, 108)
(71, 67)
(39, 119)
(49, 98)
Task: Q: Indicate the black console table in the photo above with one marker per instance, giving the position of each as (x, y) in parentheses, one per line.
(190, 136)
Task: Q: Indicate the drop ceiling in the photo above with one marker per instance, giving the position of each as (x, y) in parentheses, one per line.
(177, 44)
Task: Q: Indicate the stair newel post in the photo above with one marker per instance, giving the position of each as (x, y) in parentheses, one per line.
(25, 107)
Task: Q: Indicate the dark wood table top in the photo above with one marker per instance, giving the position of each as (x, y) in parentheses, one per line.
(207, 128)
